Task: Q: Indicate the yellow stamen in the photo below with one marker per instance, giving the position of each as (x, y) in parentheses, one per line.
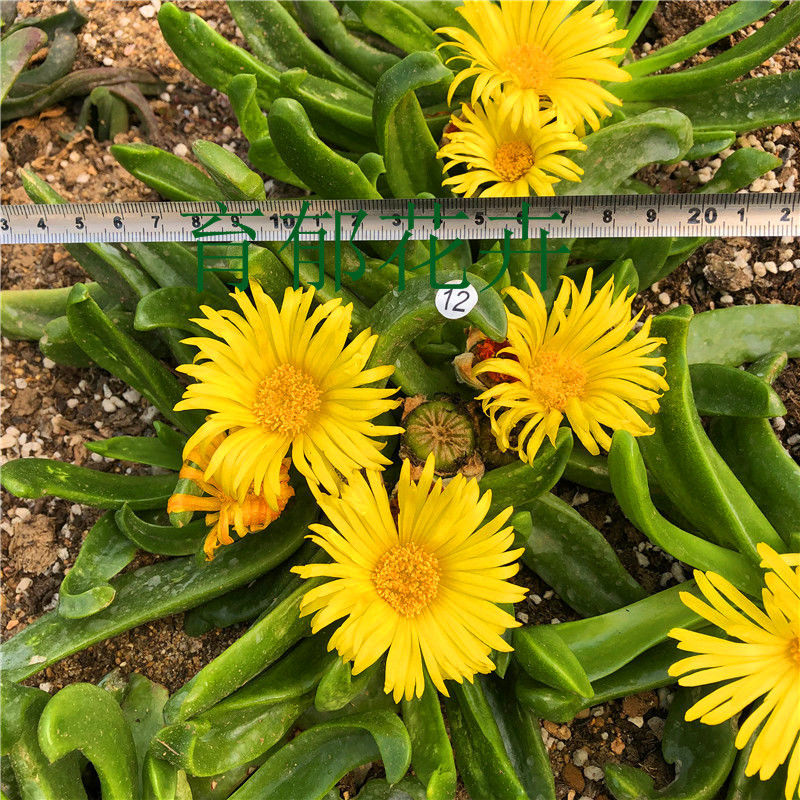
(513, 160)
(407, 578)
(794, 650)
(555, 378)
(531, 66)
(287, 400)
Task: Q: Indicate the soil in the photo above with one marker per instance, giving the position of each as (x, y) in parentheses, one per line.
(51, 411)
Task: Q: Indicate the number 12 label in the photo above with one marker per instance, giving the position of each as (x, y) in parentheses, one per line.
(456, 302)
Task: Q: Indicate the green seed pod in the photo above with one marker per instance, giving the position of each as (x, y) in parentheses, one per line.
(440, 428)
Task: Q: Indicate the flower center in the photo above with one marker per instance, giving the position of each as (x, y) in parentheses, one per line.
(555, 378)
(794, 650)
(286, 400)
(530, 65)
(513, 160)
(407, 578)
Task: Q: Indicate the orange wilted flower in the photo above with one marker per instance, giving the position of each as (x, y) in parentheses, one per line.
(223, 510)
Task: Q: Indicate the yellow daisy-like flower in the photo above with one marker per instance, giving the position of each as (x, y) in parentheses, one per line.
(538, 50)
(223, 511)
(759, 658)
(279, 380)
(578, 363)
(507, 158)
(423, 585)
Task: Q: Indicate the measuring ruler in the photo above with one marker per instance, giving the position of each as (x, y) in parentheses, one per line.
(680, 215)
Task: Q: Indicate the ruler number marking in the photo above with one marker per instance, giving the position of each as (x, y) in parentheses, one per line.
(709, 215)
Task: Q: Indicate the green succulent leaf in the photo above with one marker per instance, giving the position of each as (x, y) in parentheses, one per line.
(85, 589)
(723, 391)
(84, 717)
(573, 557)
(111, 349)
(18, 47)
(629, 480)
(617, 151)
(405, 142)
(741, 334)
(685, 464)
(311, 764)
(38, 477)
(729, 65)
(165, 540)
(34, 775)
(729, 20)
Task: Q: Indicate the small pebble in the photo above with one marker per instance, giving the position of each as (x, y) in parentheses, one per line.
(580, 757)
(180, 149)
(759, 269)
(787, 266)
(47, 363)
(45, 686)
(656, 724)
(664, 299)
(779, 423)
(535, 598)
(24, 585)
(771, 266)
(593, 773)
(580, 498)
(131, 396)
(726, 298)
(108, 61)
(108, 406)
(72, 402)
(148, 12)
(637, 721)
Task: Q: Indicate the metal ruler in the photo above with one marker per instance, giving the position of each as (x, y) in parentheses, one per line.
(684, 215)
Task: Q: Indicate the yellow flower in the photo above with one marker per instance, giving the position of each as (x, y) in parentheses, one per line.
(512, 157)
(280, 380)
(224, 511)
(423, 584)
(539, 51)
(578, 363)
(760, 655)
